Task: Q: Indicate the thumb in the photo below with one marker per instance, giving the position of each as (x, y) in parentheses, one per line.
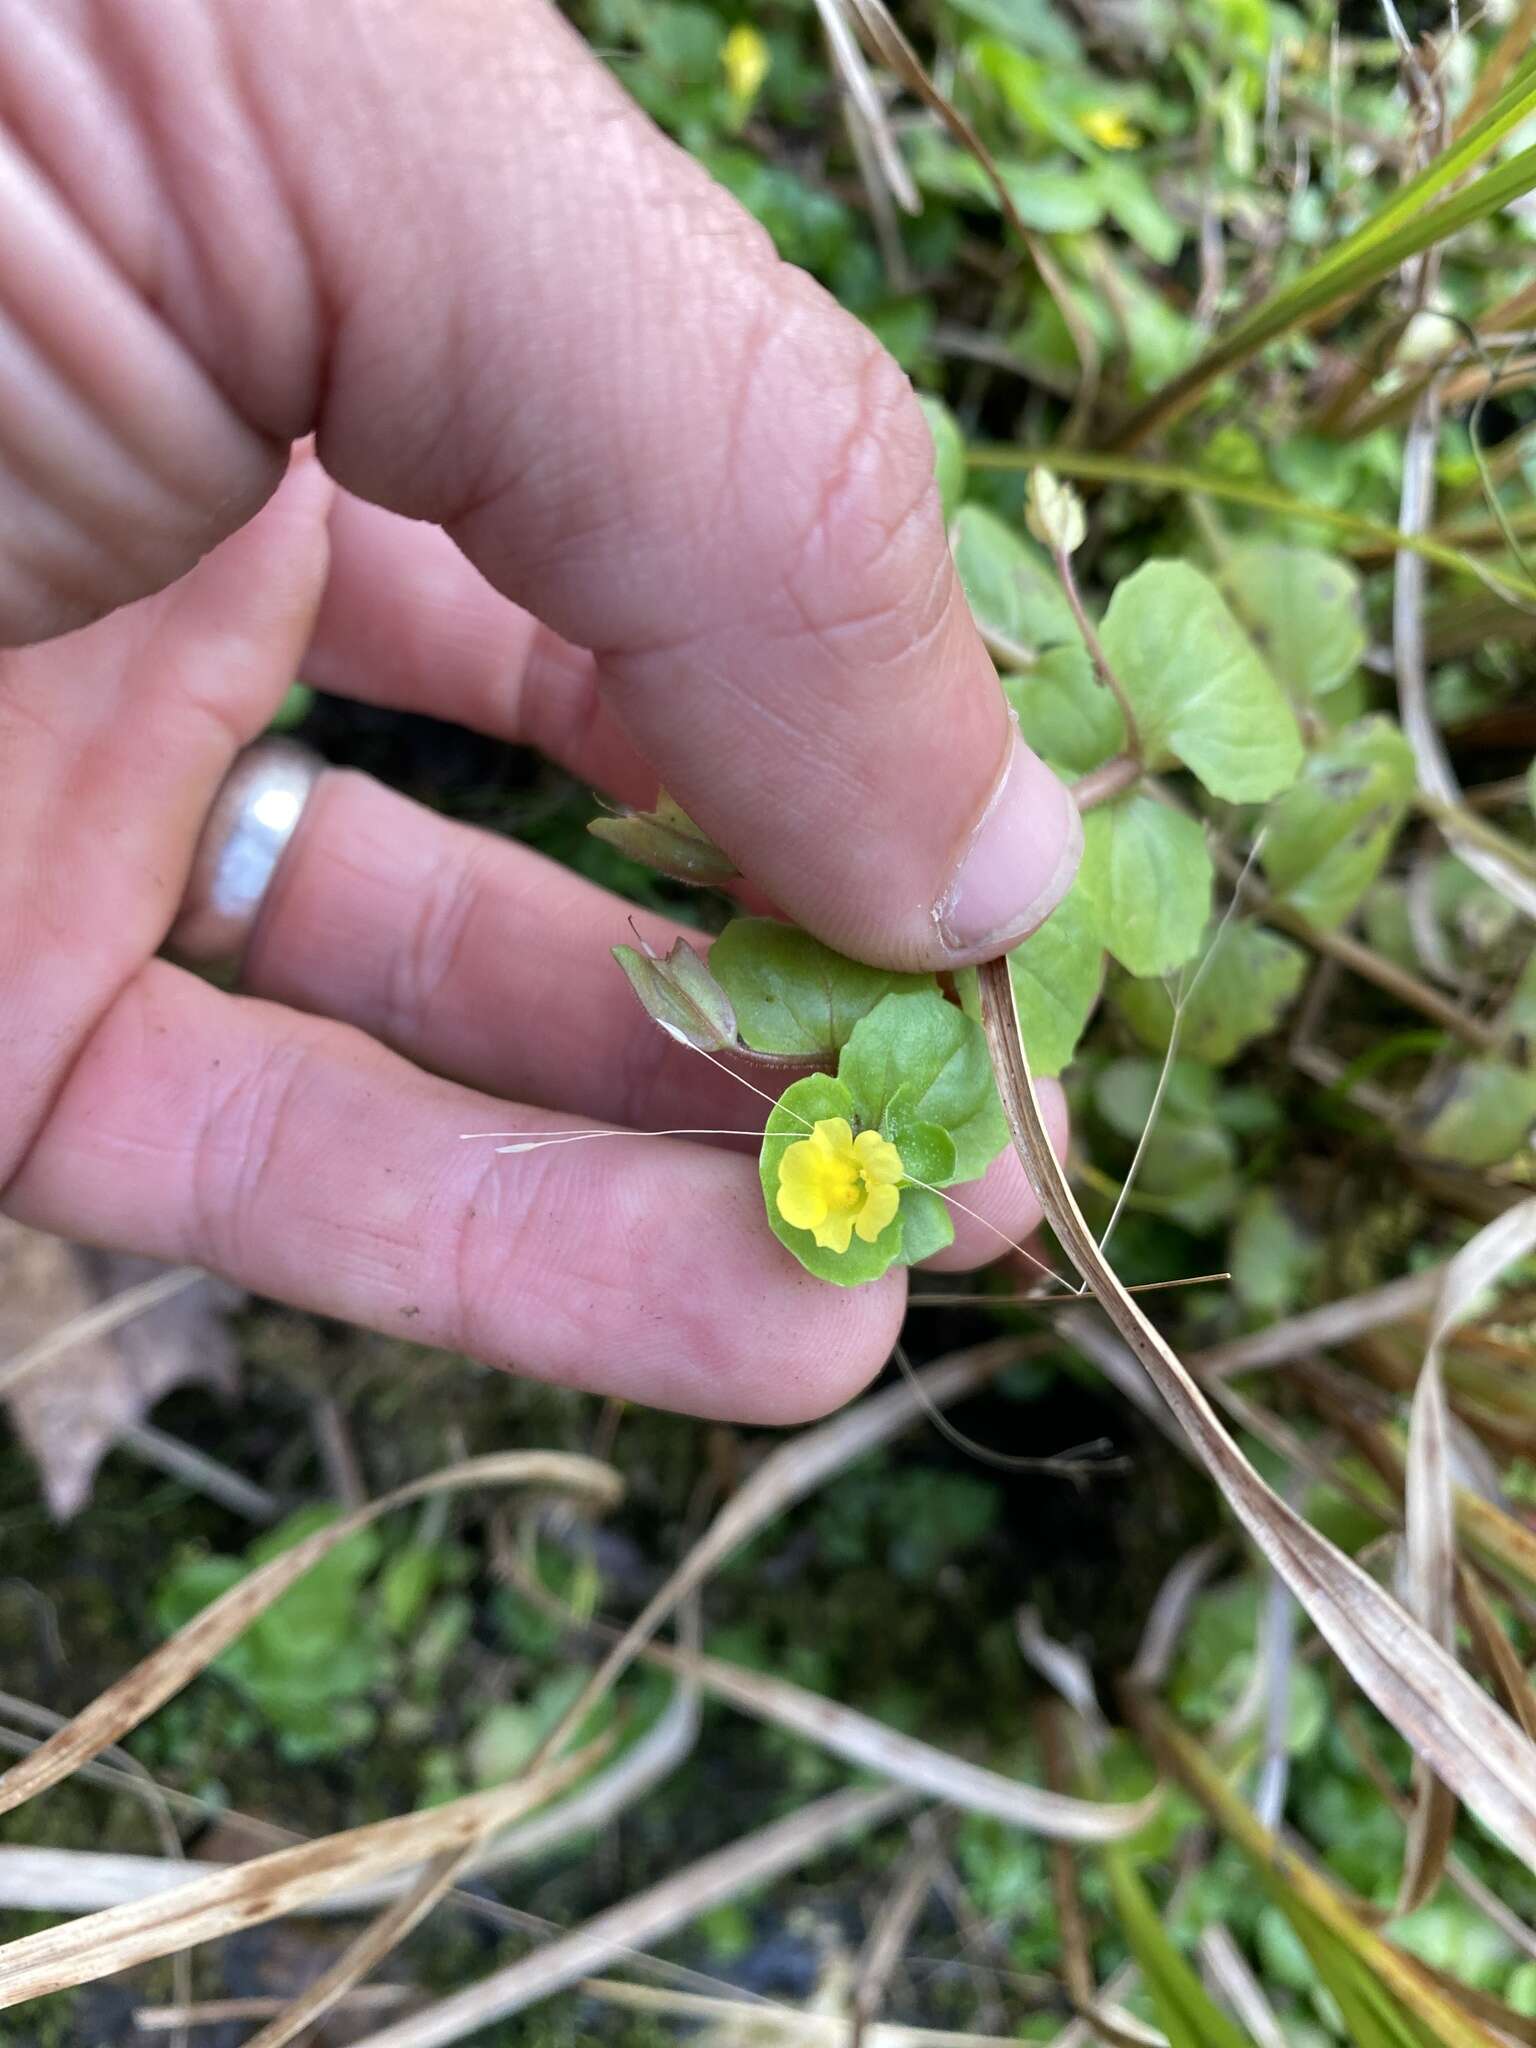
(437, 233)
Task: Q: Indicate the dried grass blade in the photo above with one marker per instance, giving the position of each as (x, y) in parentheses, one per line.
(1165, 1623)
(1120, 1367)
(757, 2024)
(891, 1929)
(1429, 1496)
(638, 1922)
(1429, 1559)
(264, 1889)
(1447, 1719)
(367, 1951)
(1229, 1977)
(218, 2012)
(1437, 778)
(84, 1881)
(1321, 1329)
(134, 1697)
(1077, 1971)
(1065, 1669)
(867, 105)
(870, 1744)
(391, 1927)
(1429, 1501)
(1497, 1654)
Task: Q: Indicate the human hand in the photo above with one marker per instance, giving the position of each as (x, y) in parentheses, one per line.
(438, 237)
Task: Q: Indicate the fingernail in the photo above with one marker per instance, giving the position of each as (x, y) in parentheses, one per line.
(1019, 864)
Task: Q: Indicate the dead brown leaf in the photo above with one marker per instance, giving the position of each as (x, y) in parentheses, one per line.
(72, 1396)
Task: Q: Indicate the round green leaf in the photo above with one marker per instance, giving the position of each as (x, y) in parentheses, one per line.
(1068, 717)
(1145, 882)
(927, 1150)
(1303, 610)
(793, 995)
(1200, 693)
(1189, 1173)
(1326, 838)
(1274, 1260)
(1249, 978)
(803, 1104)
(1057, 973)
(926, 1225)
(923, 1058)
(1125, 1090)
(1483, 1116)
(1011, 586)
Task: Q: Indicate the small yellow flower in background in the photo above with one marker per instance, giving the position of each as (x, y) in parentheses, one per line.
(1109, 128)
(834, 1184)
(744, 57)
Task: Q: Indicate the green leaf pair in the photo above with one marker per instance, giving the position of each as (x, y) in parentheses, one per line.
(1203, 698)
(910, 1067)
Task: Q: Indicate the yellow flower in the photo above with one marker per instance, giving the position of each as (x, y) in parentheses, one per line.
(1109, 128)
(744, 58)
(834, 1184)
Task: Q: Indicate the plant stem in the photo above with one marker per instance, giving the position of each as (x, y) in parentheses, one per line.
(1110, 779)
(1095, 466)
(1095, 647)
(1468, 825)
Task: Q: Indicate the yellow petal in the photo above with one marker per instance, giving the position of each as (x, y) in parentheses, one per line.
(803, 1208)
(835, 1234)
(879, 1161)
(832, 1134)
(802, 1193)
(877, 1212)
(801, 1165)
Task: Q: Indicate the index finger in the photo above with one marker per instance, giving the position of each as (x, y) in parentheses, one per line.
(441, 235)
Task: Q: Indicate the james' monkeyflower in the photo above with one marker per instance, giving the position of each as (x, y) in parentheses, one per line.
(745, 58)
(834, 1184)
(1109, 128)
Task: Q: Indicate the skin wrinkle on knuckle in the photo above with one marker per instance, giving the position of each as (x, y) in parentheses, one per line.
(430, 947)
(558, 698)
(872, 522)
(238, 1129)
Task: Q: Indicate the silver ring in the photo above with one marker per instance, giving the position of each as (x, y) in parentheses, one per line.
(249, 825)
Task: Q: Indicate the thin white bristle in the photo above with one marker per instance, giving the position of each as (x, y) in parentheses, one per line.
(537, 1141)
(576, 1137)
